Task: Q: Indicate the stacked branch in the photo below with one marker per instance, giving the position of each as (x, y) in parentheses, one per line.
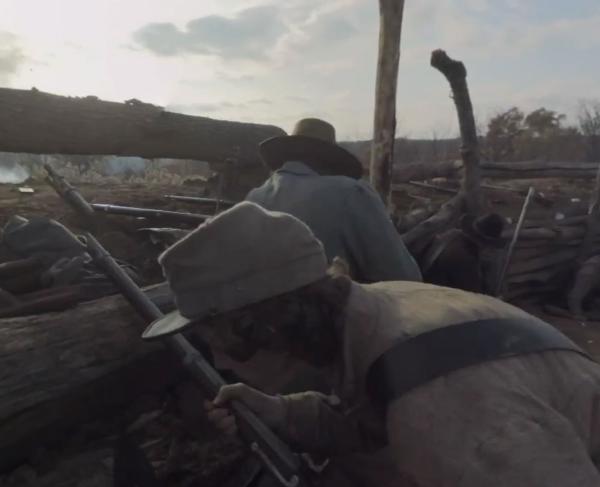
(496, 170)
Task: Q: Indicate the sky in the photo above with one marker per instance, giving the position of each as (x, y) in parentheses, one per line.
(276, 61)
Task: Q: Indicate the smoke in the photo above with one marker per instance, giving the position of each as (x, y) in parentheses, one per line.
(15, 174)
(119, 165)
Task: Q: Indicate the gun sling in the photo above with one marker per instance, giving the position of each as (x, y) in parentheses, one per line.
(422, 358)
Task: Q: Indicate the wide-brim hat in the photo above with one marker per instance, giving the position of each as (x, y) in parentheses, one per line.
(312, 142)
(486, 229)
(240, 257)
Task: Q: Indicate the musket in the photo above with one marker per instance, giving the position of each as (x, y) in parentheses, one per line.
(199, 200)
(149, 213)
(75, 200)
(274, 454)
(68, 193)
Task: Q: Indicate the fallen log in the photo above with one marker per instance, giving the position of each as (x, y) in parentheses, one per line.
(409, 220)
(527, 253)
(541, 276)
(55, 299)
(440, 221)
(541, 165)
(538, 170)
(536, 197)
(527, 291)
(558, 233)
(540, 262)
(552, 222)
(41, 123)
(59, 369)
(403, 173)
(592, 224)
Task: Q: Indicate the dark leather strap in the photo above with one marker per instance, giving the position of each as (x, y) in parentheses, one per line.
(420, 359)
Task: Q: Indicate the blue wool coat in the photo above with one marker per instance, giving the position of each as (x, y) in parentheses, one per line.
(346, 215)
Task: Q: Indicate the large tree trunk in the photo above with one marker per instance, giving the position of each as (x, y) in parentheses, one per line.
(382, 151)
(59, 369)
(41, 123)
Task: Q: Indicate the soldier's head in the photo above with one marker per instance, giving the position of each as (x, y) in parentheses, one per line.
(252, 279)
(313, 143)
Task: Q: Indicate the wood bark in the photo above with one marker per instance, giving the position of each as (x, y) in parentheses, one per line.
(438, 222)
(558, 233)
(539, 170)
(412, 218)
(495, 170)
(382, 149)
(403, 173)
(543, 261)
(587, 279)
(59, 369)
(592, 223)
(41, 123)
(456, 74)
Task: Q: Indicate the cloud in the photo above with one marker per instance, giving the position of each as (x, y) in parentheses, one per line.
(11, 56)
(506, 28)
(261, 101)
(248, 35)
(269, 34)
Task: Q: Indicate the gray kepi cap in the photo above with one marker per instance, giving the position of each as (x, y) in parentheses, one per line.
(242, 256)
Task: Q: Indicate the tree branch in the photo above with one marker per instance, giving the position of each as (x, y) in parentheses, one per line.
(456, 74)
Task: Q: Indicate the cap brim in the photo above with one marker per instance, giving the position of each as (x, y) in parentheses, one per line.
(331, 158)
(169, 324)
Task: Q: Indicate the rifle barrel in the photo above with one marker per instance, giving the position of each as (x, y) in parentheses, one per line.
(149, 213)
(199, 200)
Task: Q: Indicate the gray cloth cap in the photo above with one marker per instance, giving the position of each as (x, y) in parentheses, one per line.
(242, 256)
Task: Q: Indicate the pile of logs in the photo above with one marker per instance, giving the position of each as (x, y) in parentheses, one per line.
(496, 170)
(546, 256)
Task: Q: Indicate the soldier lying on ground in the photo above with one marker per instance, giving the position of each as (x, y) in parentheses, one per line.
(438, 385)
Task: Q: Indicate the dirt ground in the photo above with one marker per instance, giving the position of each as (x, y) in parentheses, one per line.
(88, 453)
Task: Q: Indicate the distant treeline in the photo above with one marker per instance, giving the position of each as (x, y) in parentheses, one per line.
(511, 136)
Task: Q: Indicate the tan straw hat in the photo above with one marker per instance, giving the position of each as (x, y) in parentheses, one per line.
(240, 257)
(312, 142)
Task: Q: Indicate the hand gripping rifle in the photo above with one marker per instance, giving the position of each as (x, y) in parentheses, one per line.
(273, 453)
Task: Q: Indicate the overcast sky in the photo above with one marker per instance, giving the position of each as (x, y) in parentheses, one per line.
(274, 61)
